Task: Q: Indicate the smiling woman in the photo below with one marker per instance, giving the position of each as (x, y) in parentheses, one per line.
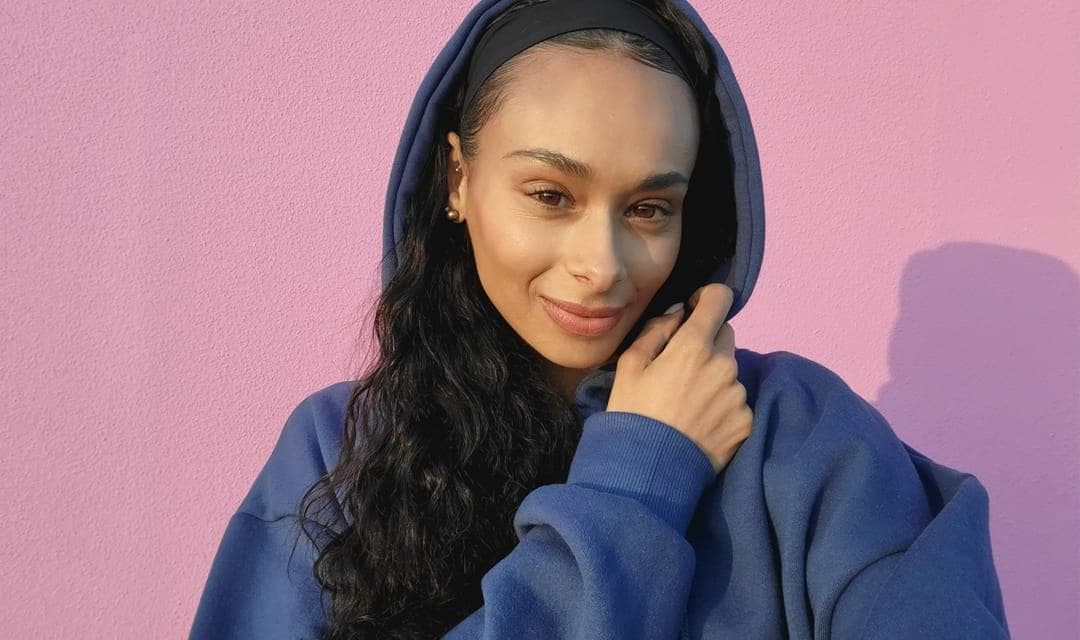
(539, 451)
(574, 196)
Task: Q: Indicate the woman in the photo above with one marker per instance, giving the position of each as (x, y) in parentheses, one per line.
(517, 466)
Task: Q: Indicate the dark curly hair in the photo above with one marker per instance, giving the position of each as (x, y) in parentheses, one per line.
(457, 421)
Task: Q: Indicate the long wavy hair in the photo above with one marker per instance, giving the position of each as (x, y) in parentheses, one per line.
(457, 420)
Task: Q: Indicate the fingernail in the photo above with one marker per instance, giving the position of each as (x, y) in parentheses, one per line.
(673, 308)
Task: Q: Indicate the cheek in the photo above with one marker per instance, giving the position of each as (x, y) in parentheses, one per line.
(656, 262)
(510, 253)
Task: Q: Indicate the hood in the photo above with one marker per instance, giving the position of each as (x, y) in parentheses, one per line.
(449, 68)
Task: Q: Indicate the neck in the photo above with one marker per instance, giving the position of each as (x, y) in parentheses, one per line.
(567, 380)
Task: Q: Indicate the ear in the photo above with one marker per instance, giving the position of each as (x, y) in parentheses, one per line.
(456, 182)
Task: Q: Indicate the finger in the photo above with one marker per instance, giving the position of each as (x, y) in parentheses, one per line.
(710, 310)
(695, 296)
(656, 334)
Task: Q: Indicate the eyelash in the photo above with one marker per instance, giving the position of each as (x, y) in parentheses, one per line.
(664, 211)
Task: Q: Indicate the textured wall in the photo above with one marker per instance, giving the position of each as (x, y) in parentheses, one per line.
(191, 197)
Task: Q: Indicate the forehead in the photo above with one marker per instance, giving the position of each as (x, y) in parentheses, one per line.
(601, 107)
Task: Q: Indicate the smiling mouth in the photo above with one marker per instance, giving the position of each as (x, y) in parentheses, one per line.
(581, 325)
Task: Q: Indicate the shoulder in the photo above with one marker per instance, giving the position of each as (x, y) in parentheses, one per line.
(321, 417)
(307, 446)
(818, 444)
(777, 370)
(852, 509)
(799, 402)
(823, 451)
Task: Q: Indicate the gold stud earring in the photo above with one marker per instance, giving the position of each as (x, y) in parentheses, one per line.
(452, 214)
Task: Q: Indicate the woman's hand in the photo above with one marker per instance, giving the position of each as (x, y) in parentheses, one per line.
(685, 376)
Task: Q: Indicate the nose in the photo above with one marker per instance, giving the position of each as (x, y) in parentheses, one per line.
(594, 251)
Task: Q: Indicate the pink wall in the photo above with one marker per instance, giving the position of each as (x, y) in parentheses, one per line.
(191, 199)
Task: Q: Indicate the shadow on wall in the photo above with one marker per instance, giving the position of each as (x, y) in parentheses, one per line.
(985, 377)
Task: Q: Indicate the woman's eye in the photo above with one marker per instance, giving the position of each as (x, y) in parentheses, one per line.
(552, 195)
(655, 213)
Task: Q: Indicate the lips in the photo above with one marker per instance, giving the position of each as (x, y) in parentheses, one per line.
(581, 321)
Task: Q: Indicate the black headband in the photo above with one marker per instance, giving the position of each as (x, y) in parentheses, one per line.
(539, 22)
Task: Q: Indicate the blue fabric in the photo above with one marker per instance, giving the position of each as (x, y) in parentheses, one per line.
(823, 525)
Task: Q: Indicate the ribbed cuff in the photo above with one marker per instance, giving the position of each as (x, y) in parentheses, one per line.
(633, 455)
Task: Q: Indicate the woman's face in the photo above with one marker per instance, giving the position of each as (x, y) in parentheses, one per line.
(575, 196)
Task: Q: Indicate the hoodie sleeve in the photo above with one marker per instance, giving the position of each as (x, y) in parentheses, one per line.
(260, 583)
(603, 555)
(875, 540)
(943, 585)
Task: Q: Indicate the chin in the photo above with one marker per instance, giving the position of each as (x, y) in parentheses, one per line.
(586, 353)
(578, 359)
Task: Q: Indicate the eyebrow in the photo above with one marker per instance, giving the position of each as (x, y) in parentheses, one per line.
(579, 169)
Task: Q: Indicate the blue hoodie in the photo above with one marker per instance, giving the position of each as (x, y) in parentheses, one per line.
(823, 525)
